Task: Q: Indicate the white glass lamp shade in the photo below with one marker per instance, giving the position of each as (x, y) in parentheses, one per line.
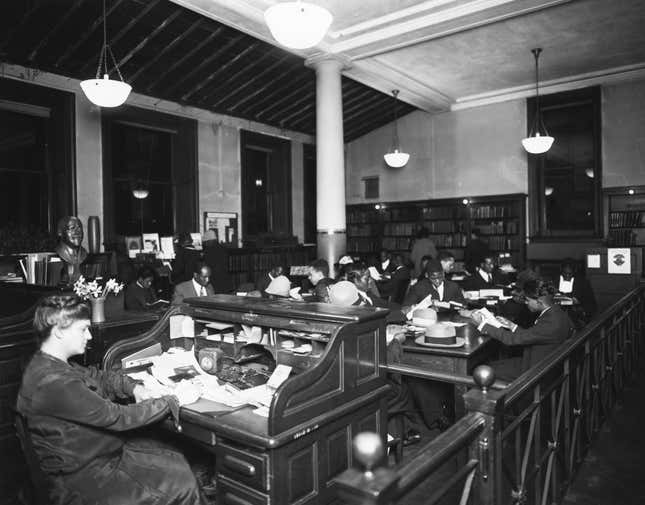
(548, 190)
(140, 193)
(589, 173)
(396, 159)
(106, 92)
(537, 144)
(297, 25)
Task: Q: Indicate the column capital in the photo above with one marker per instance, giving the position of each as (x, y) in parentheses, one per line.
(315, 61)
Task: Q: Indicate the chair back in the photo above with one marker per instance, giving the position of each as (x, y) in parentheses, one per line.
(37, 493)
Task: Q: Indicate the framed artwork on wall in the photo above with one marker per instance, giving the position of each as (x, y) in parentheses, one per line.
(221, 226)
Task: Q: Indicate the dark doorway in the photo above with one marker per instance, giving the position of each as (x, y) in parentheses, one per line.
(266, 186)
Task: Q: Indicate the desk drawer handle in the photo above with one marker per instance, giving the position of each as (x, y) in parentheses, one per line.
(235, 500)
(239, 466)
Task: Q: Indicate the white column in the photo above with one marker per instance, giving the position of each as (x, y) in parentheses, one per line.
(330, 158)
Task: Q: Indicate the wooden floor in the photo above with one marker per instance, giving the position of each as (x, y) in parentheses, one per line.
(614, 470)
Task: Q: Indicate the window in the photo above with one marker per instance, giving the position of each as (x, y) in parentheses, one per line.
(565, 182)
(141, 157)
(158, 151)
(371, 187)
(24, 171)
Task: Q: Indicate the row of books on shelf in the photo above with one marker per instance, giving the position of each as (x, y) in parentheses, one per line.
(362, 245)
(490, 211)
(627, 218)
(500, 243)
(498, 228)
(264, 261)
(397, 243)
(40, 268)
(622, 238)
(361, 230)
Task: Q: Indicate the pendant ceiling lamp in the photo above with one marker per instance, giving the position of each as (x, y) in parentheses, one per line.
(538, 141)
(396, 158)
(140, 192)
(106, 92)
(297, 25)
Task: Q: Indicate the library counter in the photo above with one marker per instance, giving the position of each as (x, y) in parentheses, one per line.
(336, 389)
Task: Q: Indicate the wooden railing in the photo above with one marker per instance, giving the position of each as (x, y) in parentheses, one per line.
(522, 444)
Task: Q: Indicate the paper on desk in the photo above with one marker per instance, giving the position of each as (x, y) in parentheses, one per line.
(423, 304)
(374, 274)
(488, 317)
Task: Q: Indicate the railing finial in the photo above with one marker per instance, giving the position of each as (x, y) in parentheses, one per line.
(484, 377)
(368, 449)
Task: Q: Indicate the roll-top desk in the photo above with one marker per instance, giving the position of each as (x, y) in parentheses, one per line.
(334, 391)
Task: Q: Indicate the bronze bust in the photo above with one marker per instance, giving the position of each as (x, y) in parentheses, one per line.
(69, 248)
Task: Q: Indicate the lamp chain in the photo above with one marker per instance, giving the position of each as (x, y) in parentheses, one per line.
(395, 92)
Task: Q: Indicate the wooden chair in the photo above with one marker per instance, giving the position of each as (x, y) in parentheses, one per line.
(36, 491)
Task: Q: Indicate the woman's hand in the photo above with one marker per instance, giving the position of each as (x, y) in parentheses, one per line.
(141, 393)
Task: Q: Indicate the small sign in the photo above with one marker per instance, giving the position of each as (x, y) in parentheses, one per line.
(593, 260)
(619, 261)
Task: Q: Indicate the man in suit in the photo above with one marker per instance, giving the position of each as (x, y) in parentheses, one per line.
(435, 284)
(395, 287)
(551, 328)
(199, 285)
(140, 295)
(579, 289)
(485, 276)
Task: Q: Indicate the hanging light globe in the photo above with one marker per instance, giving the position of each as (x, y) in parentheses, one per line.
(140, 192)
(396, 159)
(106, 92)
(297, 25)
(537, 144)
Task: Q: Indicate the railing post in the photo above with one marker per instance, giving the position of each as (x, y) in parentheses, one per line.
(487, 447)
(371, 486)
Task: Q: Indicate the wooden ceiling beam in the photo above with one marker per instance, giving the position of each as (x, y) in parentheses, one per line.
(347, 104)
(278, 89)
(285, 98)
(293, 114)
(236, 75)
(148, 38)
(304, 117)
(304, 98)
(362, 108)
(250, 81)
(86, 34)
(166, 49)
(18, 26)
(45, 40)
(181, 60)
(216, 54)
(358, 105)
(114, 39)
(221, 69)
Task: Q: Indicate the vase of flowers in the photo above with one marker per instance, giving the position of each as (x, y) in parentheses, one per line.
(96, 294)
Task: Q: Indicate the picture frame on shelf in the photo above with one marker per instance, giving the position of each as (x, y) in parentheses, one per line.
(221, 226)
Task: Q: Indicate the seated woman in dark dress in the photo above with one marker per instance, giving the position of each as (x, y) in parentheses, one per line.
(82, 438)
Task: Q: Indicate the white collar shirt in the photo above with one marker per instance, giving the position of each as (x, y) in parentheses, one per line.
(199, 289)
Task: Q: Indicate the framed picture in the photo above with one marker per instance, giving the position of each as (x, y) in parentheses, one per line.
(221, 226)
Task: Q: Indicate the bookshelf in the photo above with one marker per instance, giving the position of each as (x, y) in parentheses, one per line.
(393, 225)
(625, 218)
(246, 264)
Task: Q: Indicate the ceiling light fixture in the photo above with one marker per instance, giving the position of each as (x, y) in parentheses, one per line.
(396, 158)
(537, 143)
(548, 190)
(140, 192)
(297, 25)
(589, 172)
(106, 92)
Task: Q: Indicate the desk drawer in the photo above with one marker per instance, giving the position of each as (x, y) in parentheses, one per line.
(242, 466)
(429, 361)
(192, 431)
(231, 493)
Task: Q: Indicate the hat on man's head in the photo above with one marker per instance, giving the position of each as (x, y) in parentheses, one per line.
(346, 260)
(434, 266)
(279, 286)
(343, 293)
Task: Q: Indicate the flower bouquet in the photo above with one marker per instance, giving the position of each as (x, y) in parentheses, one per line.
(96, 294)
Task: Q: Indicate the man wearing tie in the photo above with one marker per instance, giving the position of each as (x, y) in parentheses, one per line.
(485, 276)
(434, 284)
(199, 285)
